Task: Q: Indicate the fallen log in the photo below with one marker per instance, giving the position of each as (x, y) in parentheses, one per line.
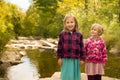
(47, 43)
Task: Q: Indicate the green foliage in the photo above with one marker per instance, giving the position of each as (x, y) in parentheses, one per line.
(51, 13)
(46, 6)
(3, 40)
(112, 32)
(29, 25)
(44, 18)
(9, 22)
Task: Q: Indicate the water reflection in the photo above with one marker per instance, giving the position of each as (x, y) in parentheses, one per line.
(45, 61)
(23, 71)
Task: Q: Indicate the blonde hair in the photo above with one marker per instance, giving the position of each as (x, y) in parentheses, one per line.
(99, 27)
(76, 22)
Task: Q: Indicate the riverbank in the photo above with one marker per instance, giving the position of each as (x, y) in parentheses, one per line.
(56, 76)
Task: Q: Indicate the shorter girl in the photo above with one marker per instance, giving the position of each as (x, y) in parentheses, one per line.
(70, 49)
(96, 56)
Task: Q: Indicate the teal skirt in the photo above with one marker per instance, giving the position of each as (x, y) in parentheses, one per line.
(70, 69)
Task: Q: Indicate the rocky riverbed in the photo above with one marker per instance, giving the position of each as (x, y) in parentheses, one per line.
(56, 76)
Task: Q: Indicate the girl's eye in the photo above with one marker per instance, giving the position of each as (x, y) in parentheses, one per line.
(67, 22)
(94, 29)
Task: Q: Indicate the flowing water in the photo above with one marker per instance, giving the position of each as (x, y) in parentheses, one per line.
(23, 71)
(36, 65)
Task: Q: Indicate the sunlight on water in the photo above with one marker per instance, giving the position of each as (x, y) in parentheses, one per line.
(23, 71)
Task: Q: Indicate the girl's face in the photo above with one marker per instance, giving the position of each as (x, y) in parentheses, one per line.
(94, 31)
(70, 23)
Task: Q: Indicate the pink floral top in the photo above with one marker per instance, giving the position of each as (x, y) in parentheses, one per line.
(96, 51)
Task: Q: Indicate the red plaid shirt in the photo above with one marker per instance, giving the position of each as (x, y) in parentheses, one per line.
(70, 45)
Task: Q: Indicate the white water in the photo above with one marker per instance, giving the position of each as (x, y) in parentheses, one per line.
(23, 71)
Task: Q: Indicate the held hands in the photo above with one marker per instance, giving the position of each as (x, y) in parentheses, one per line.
(60, 62)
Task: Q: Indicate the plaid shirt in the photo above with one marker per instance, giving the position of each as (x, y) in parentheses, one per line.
(70, 45)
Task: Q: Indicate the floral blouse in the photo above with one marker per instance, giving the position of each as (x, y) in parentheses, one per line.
(96, 50)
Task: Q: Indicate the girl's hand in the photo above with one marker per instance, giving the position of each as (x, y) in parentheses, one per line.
(60, 62)
(81, 62)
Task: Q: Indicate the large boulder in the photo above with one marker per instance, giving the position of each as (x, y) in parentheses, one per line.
(12, 56)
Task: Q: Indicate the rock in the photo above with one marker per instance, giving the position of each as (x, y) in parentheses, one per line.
(114, 51)
(12, 57)
(56, 76)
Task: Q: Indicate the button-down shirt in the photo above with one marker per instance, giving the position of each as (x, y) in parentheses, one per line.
(70, 45)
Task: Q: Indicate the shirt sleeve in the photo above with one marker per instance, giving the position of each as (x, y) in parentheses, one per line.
(104, 53)
(82, 50)
(60, 46)
(85, 47)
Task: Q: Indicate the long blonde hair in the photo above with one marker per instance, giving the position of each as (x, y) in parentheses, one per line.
(76, 22)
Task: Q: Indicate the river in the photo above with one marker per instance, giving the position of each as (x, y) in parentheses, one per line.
(23, 71)
(35, 65)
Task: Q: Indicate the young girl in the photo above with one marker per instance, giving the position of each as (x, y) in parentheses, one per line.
(96, 56)
(70, 49)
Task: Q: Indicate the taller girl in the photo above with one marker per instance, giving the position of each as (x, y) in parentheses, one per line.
(70, 49)
(96, 55)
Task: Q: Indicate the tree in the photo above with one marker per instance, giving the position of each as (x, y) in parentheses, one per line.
(9, 20)
(47, 11)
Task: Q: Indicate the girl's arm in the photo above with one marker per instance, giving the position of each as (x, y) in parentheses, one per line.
(60, 62)
(104, 54)
(82, 50)
(59, 48)
(81, 62)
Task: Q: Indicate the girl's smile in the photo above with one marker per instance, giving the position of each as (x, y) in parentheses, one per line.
(94, 32)
(70, 23)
